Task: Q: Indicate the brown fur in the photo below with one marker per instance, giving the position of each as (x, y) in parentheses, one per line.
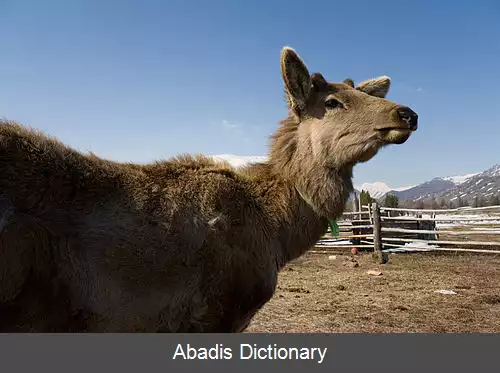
(184, 245)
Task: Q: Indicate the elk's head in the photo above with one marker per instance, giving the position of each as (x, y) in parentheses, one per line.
(344, 124)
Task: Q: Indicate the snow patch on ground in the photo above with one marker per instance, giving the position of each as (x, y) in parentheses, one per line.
(462, 220)
(332, 242)
(412, 246)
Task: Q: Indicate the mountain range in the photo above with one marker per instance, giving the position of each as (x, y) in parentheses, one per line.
(482, 184)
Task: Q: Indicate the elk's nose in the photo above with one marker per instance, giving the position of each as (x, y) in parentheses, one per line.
(409, 116)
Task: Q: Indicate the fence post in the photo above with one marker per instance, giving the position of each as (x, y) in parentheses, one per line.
(377, 234)
(354, 240)
(355, 204)
(360, 208)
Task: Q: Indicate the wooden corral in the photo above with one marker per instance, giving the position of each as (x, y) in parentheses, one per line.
(361, 229)
(410, 225)
(375, 228)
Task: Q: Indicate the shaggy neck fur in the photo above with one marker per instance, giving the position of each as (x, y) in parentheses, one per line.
(300, 193)
(323, 186)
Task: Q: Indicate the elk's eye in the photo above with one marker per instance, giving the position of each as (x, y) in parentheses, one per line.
(332, 104)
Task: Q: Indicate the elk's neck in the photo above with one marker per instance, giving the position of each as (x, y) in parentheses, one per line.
(325, 190)
(324, 186)
(300, 195)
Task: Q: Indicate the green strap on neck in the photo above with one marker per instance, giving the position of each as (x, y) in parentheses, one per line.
(334, 227)
(332, 223)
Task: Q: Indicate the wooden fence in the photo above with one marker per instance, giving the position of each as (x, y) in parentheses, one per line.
(385, 229)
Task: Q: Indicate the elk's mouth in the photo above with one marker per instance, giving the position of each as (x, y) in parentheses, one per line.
(395, 135)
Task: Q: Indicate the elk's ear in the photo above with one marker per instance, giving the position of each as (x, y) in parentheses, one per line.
(378, 87)
(297, 80)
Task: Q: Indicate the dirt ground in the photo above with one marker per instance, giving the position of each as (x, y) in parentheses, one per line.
(318, 294)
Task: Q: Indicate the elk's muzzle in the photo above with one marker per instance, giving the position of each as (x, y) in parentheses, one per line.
(409, 116)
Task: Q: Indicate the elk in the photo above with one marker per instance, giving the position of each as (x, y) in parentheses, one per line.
(188, 244)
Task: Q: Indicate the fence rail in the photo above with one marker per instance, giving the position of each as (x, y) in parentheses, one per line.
(453, 233)
(355, 213)
(413, 232)
(437, 242)
(441, 211)
(486, 218)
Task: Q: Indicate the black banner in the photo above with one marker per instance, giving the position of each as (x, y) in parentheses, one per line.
(249, 353)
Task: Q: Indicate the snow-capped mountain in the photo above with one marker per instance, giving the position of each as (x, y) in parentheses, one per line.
(400, 189)
(426, 189)
(240, 160)
(483, 185)
(379, 189)
(457, 180)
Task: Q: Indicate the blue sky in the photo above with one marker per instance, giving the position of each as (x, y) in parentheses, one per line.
(144, 80)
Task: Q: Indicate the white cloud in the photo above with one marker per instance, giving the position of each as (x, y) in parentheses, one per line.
(229, 126)
(408, 87)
